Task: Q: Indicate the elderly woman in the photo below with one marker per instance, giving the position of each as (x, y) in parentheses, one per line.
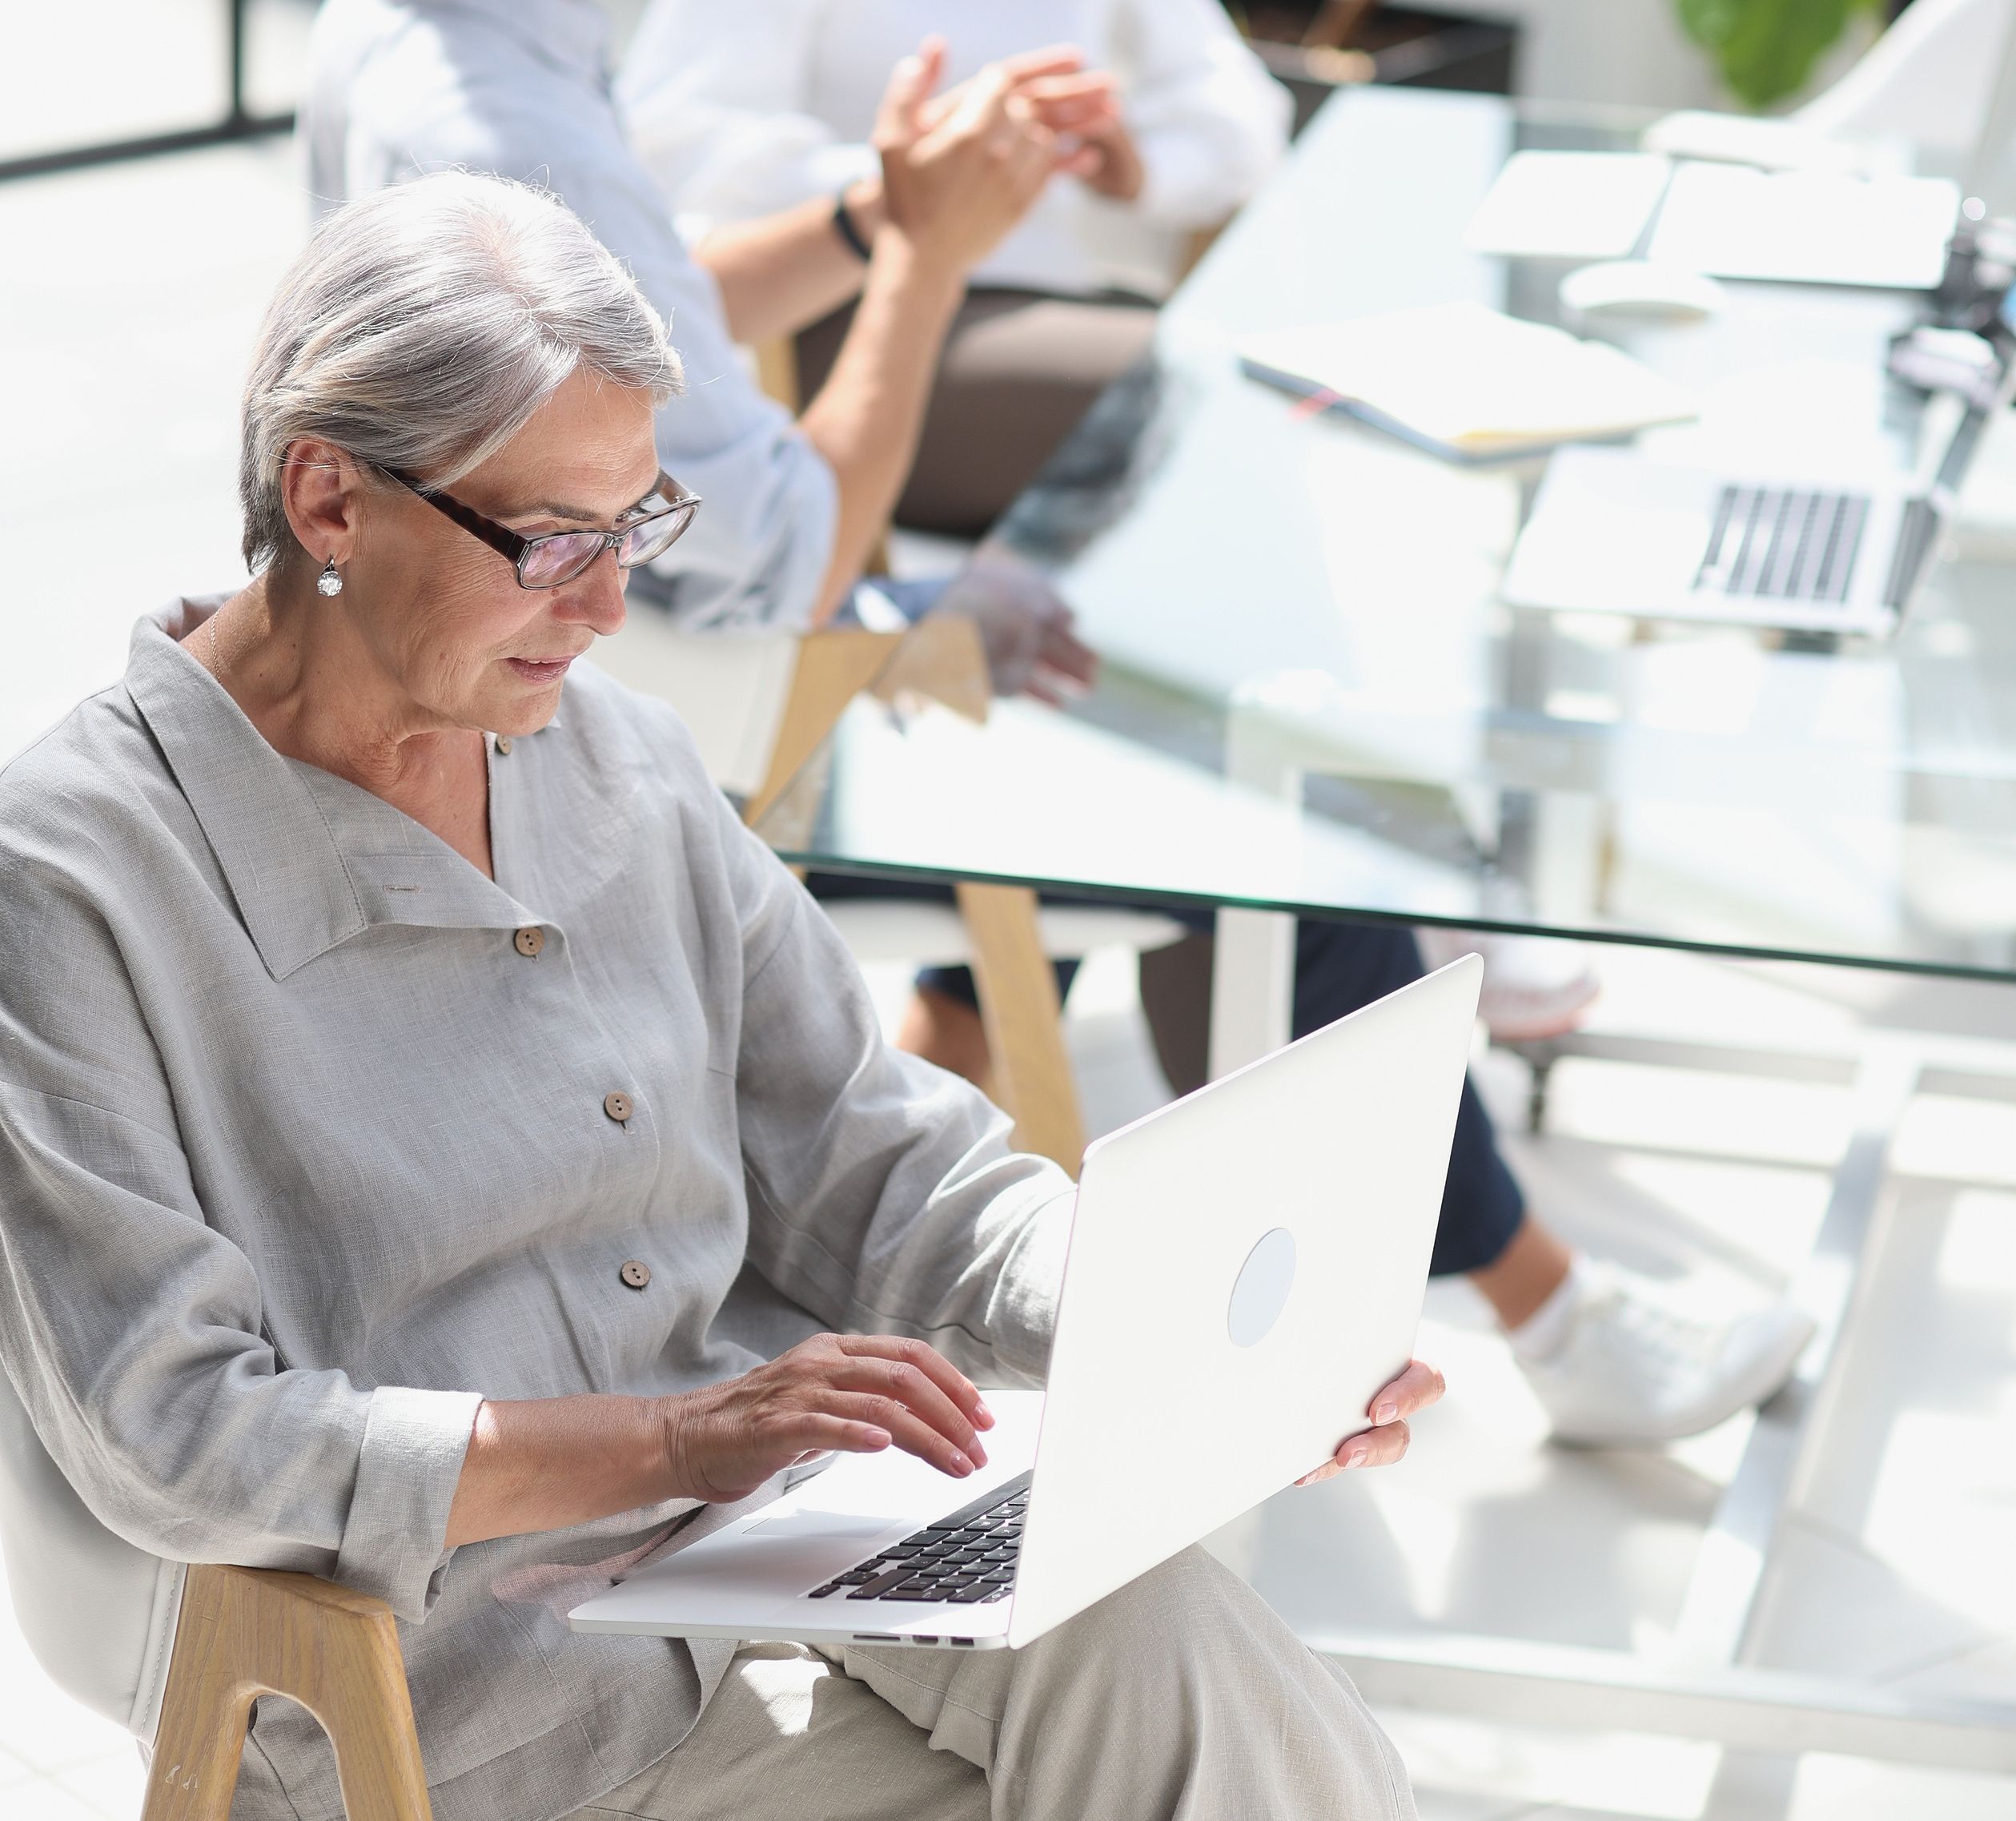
(432, 1127)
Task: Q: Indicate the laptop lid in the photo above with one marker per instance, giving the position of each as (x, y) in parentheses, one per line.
(1246, 1270)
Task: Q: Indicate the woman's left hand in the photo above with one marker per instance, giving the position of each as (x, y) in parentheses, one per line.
(1386, 1440)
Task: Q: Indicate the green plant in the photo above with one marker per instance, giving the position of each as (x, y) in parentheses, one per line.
(1766, 48)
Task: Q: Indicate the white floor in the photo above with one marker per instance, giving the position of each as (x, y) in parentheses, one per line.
(130, 297)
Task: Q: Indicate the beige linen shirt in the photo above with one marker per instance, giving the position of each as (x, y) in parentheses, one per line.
(311, 1136)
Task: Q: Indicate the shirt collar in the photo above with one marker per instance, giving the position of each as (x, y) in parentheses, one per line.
(311, 860)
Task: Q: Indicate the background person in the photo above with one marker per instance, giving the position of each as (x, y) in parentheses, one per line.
(738, 111)
(520, 87)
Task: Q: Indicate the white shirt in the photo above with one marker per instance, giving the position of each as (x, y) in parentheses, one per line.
(520, 87)
(738, 110)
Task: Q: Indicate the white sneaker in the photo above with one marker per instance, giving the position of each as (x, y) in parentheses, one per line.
(1631, 1367)
(1535, 987)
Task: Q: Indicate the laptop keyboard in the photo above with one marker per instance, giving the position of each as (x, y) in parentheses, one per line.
(1783, 544)
(968, 1558)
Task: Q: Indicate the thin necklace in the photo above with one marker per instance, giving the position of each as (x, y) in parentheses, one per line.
(216, 663)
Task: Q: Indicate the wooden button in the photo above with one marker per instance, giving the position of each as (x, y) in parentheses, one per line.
(529, 941)
(504, 744)
(617, 1107)
(635, 1272)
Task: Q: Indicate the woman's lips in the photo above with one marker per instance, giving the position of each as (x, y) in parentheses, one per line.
(540, 670)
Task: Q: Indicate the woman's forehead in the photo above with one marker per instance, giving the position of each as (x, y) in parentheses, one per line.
(588, 450)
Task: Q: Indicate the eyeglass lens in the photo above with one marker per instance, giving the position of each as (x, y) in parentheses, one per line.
(564, 555)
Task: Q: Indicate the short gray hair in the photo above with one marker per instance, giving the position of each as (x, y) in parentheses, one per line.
(424, 324)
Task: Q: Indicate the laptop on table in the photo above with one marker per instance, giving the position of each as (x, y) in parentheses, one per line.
(1246, 1270)
(1614, 530)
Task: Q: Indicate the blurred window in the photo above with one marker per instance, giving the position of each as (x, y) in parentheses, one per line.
(88, 80)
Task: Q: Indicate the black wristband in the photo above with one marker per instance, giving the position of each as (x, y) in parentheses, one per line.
(848, 230)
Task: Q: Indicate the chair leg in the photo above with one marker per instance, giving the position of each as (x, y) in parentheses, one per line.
(832, 669)
(246, 1632)
(1018, 1004)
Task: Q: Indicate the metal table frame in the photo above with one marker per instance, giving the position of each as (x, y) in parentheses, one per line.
(1712, 1683)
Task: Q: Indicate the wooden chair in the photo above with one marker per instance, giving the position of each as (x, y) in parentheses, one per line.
(247, 1632)
(177, 1655)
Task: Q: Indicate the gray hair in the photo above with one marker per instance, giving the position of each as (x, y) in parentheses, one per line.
(425, 325)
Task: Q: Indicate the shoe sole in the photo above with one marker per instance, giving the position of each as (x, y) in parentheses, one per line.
(1770, 1377)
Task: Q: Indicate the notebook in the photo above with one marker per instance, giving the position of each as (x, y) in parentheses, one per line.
(1467, 381)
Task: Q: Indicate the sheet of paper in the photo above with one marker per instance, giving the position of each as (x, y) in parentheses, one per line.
(1471, 380)
(1569, 205)
(1807, 227)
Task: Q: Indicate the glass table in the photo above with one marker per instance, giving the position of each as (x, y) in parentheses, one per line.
(1272, 590)
(1313, 702)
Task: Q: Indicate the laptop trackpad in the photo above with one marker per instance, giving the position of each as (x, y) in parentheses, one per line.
(810, 1523)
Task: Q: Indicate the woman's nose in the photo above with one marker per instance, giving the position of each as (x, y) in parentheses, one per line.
(595, 597)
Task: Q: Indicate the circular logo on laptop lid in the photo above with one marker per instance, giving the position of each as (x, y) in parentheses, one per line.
(1261, 1292)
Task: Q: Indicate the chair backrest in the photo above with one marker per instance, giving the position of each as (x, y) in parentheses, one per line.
(99, 1613)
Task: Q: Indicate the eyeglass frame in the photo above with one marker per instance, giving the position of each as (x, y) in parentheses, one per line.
(515, 546)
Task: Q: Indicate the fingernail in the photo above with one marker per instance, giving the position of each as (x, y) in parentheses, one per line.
(1356, 1458)
(977, 1453)
(961, 1462)
(1386, 1412)
(986, 1416)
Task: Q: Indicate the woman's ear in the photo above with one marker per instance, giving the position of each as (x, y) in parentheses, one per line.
(322, 490)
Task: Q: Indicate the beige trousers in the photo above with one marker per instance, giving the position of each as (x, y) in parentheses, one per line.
(1181, 1698)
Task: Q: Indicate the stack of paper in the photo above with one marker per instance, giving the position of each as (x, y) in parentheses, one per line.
(1468, 382)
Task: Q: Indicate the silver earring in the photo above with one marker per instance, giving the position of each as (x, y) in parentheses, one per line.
(329, 582)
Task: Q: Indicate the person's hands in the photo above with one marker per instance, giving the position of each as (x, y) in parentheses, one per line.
(1024, 625)
(1069, 99)
(955, 183)
(1386, 1440)
(854, 1393)
(1108, 160)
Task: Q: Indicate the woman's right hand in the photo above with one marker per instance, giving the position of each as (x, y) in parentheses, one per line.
(856, 1393)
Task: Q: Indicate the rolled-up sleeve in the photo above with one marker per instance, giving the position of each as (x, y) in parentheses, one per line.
(134, 1333)
(884, 1194)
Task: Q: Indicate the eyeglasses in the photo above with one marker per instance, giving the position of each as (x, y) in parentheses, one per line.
(560, 556)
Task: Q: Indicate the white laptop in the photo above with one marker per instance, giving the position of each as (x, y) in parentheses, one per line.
(1612, 531)
(1616, 531)
(1245, 1270)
